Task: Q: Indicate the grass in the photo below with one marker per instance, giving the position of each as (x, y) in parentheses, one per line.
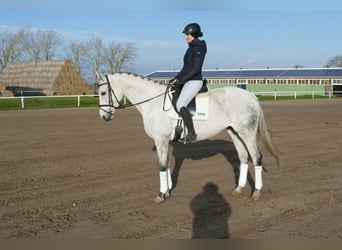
(46, 103)
(7, 104)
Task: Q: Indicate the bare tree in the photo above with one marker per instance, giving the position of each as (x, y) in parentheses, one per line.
(95, 50)
(51, 40)
(97, 56)
(11, 50)
(335, 61)
(77, 52)
(32, 46)
(42, 44)
(117, 56)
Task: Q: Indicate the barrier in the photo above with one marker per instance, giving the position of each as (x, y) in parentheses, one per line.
(275, 95)
(313, 94)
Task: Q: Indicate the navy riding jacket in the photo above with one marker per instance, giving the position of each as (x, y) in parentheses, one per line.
(193, 61)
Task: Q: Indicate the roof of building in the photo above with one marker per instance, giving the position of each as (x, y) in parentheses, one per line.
(258, 73)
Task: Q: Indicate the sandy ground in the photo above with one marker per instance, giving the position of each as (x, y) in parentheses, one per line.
(67, 174)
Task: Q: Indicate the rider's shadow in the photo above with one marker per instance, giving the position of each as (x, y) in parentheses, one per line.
(211, 214)
(206, 149)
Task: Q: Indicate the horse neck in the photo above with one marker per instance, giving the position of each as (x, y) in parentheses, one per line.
(137, 89)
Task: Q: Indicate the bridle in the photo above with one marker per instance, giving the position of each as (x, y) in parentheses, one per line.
(111, 93)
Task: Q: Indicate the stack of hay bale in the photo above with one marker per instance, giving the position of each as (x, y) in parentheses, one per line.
(45, 77)
(4, 92)
(69, 81)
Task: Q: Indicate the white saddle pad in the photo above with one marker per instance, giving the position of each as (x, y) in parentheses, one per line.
(202, 107)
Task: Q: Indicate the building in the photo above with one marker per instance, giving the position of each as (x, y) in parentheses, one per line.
(319, 79)
(44, 78)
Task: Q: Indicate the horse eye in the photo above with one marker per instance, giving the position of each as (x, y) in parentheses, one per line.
(103, 93)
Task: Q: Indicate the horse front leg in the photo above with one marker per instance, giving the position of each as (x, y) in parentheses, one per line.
(162, 146)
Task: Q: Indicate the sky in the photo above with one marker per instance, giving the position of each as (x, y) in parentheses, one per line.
(238, 33)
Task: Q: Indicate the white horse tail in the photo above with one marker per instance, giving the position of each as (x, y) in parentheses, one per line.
(265, 136)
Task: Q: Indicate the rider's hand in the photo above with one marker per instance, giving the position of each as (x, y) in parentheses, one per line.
(174, 83)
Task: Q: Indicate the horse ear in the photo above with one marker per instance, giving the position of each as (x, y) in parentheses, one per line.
(99, 76)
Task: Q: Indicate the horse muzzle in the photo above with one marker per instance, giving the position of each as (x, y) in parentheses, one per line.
(107, 115)
(107, 118)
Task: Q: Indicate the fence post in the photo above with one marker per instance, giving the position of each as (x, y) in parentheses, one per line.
(22, 102)
(78, 101)
(275, 95)
(295, 95)
(313, 94)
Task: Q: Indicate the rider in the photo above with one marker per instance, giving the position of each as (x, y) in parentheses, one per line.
(190, 77)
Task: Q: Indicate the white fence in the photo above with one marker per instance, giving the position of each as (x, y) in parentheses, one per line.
(295, 94)
(275, 94)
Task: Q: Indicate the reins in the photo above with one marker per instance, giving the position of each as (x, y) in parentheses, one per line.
(167, 94)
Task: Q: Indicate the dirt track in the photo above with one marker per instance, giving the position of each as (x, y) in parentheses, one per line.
(68, 174)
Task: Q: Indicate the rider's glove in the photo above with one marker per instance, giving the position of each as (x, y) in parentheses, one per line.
(174, 83)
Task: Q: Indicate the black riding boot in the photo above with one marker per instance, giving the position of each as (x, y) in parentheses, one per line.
(186, 116)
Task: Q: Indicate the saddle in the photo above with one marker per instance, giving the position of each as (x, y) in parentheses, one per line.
(204, 91)
(198, 107)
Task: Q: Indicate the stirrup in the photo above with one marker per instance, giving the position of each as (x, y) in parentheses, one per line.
(188, 139)
(178, 130)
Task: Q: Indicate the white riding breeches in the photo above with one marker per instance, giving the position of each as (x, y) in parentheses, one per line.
(189, 91)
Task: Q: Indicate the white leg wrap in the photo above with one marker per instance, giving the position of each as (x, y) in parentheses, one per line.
(258, 177)
(243, 174)
(163, 181)
(169, 180)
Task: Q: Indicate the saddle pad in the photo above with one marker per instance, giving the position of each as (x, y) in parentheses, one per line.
(202, 107)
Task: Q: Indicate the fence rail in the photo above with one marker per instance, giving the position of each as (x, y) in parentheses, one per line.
(297, 94)
(76, 100)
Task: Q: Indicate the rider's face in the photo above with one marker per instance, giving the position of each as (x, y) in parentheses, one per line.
(189, 38)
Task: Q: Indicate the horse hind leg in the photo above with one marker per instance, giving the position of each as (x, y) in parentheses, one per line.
(243, 157)
(256, 158)
(247, 147)
(258, 178)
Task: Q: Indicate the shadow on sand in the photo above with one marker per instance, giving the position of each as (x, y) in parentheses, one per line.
(211, 214)
(206, 149)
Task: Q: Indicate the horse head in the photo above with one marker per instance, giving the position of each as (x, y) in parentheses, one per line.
(107, 99)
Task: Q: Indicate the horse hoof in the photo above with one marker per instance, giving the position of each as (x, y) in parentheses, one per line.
(256, 195)
(162, 197)
(159, 199)
(237, 190)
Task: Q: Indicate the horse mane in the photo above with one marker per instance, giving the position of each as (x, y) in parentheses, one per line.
(139, 76)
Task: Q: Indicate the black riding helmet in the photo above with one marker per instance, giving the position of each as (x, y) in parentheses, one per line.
(193, 29)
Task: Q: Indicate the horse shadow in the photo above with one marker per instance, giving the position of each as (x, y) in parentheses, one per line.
(206, 149)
